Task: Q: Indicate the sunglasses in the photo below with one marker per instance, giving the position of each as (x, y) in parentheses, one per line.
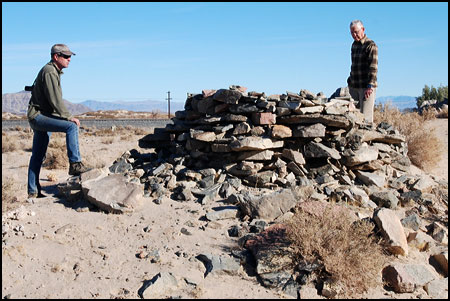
(64, 56)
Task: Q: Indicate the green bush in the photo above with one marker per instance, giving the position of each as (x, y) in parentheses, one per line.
(429, 93)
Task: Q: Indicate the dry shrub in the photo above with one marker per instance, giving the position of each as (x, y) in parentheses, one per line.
(108, 140)
(347, 251)
(126, 138)
(429, 114)
(57, 143)
(104, 132)
(135, 130)
(140, 131)
(424, 148)
(95, 161)
(9, 189)
(9, 143)
(26, 135)
(118, 130)
(56, 158)
(52, 177)
(443, 113)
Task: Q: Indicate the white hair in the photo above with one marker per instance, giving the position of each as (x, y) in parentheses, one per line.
(356, 22)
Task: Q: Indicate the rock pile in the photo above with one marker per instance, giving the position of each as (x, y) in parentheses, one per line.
(439, 106)
(264, 155)
(277, 141)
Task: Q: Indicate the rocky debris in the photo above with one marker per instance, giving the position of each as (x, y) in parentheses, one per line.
(392, 230)
(220, 264)
(263, 156)
(434, 104)
(442, 260)
(113, 193)
(404, 278)
(160, 286)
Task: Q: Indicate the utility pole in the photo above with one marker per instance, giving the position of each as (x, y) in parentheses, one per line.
(168, 100)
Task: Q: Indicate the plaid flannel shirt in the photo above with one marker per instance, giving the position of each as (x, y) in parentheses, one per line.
(364, 64)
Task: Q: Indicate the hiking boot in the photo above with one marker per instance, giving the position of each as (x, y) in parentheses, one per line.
(36, 195)
(77, 168)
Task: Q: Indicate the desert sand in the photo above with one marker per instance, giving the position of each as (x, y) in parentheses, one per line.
(59, 249)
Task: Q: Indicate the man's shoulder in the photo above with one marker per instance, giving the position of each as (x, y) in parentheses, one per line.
(49, 68)
(370, 42)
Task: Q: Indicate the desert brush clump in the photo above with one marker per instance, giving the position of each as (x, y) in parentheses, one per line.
(56, 159)
(9, 144)
(347, 251)
(443, 113)
(56, 155)
(9, 189)
(424, 148)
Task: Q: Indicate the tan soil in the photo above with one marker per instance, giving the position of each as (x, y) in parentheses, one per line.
(67, 251)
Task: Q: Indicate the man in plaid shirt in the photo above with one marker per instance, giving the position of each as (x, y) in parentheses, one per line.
(362, 81)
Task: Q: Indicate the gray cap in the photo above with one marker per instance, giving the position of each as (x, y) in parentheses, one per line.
(61, 48)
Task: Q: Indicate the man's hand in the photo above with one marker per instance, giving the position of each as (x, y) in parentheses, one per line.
(368, 92)
(73, 119)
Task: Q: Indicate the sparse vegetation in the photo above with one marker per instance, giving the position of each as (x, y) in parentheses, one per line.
(12, 142)
(347, 251)
(20, 140)
(56, 159)
(9, 188)
(52, 177)
(429, 93)
(108, 114)
(424, 148)
(8, 144)
(443, 113)
(108, 140)
(114, 131)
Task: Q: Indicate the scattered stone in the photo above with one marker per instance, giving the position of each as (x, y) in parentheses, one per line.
(160, 286)
(392, 230)
(219, 264)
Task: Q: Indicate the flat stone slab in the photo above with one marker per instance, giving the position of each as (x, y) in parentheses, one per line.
(113, 193)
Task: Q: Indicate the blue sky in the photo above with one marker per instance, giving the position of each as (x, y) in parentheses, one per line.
(139, 51)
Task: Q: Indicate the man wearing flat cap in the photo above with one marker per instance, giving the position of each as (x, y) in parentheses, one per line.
(47, 113)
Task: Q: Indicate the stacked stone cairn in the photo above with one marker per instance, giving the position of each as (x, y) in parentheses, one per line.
(227, 136)
(262, 156)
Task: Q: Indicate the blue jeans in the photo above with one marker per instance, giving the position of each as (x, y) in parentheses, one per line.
(43, 127)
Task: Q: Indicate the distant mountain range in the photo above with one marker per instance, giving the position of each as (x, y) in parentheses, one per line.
(135, 106)
(401, 102)
(17, 103)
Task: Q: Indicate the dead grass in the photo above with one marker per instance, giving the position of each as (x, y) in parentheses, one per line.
(9, 190)
(56, 159)
(106, 114)
(52, 177)
(16, 140)
(347, 251)
(123, 114)
(429, 114)
(108, 140)
(9, 144)
(443, 113)
(424, 148)
(115, 131)
(56, 156)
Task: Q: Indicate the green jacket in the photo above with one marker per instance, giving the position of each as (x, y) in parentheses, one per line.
(46, 97)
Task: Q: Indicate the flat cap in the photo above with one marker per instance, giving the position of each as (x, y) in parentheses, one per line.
(61, 48)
